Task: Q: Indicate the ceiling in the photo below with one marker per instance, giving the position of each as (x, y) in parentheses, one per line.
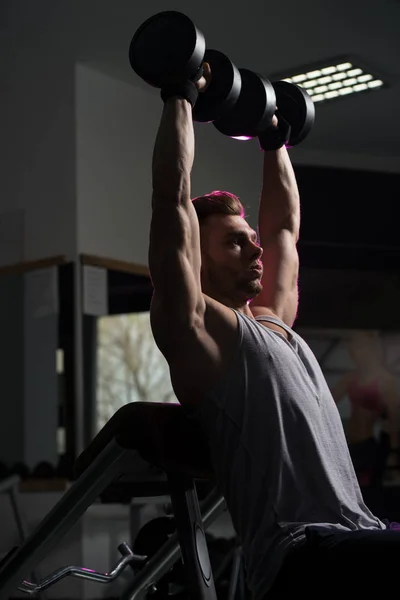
(360, 131)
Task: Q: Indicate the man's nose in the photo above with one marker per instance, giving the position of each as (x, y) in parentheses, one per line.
(256, 250)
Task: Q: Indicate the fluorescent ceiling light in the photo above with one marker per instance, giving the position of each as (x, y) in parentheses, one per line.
(335, 79)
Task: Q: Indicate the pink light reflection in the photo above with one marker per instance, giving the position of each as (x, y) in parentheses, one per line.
(242, 138)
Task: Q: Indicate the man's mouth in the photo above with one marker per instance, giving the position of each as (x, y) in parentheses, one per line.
(257, 268)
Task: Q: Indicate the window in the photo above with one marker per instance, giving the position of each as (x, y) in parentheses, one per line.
(130, 367)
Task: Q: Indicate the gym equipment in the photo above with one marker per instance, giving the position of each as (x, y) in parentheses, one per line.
(138, 437)
(148, 540)
(21, 470)
(128, 558)
(225, 558)
(253, 111)
(167, 47)
(10, 486)
(223, 90)
(296, 107)
(259, 100)
(44, 470)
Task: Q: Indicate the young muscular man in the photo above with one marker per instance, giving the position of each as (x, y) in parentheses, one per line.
(221, 313)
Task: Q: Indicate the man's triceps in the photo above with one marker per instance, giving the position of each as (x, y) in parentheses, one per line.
(174, 259)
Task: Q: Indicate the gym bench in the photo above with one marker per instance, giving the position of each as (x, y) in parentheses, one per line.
(161, 436)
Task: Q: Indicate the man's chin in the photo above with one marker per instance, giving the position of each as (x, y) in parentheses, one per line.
(253, 289)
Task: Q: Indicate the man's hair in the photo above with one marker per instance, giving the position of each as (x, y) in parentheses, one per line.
(217, 203)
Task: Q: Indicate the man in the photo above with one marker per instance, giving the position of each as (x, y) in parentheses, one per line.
(222, 312)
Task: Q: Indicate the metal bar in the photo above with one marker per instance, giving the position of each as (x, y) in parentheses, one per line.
(21, 526)
(161, 562)
(22, 530)
(82, 573)
(82, 493)
(199, 576)
(212, 507)
(10, 482)
(223, 564)
(236, 564)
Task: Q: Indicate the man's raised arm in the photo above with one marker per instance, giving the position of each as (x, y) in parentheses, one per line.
(279, 224)
(174, 253)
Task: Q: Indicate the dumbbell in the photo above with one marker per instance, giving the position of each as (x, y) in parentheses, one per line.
(253, 110)
(168, 46)
(240, 103)
(259, 100)
(296, 107)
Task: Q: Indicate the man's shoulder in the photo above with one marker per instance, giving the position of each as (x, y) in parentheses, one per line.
(198, 357)
(211, 319)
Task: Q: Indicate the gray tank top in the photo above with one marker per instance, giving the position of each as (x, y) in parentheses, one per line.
(279, 450)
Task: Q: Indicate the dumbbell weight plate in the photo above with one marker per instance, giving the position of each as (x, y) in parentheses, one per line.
(223, 90)
(253, 110)
(167, 46)
(296, 107)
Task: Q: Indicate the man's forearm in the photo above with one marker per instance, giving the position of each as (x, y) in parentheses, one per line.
(279, 203)
(173, 153)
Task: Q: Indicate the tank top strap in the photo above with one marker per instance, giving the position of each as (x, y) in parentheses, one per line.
(276, 321)
(293, 339)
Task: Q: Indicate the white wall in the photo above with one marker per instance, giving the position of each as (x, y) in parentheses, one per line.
(37, 170)
(37, 213)
(113, 166)
(116, 128)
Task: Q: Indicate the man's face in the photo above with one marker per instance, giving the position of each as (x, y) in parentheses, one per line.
(231, 268)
